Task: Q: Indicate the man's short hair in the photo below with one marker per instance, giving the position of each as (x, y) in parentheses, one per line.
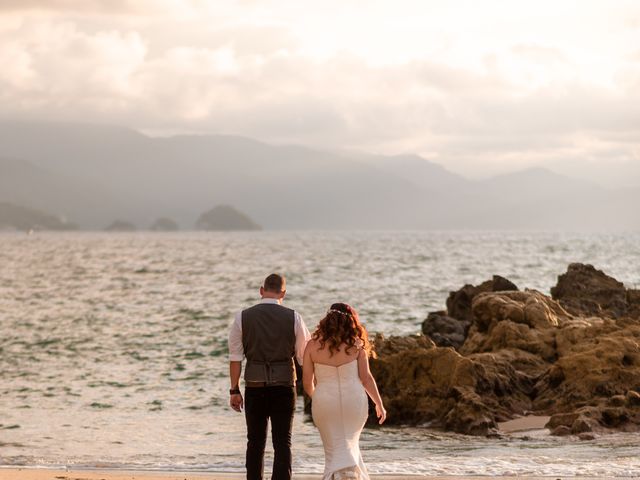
(275, 283)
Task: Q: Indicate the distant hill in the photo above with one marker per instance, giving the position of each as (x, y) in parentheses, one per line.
(15, 217)
(87, 202)
(95, 173)
(418, 171)
(279, 186)
(225, 217)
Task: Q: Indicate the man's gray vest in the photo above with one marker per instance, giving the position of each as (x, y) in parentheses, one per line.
(269, 342)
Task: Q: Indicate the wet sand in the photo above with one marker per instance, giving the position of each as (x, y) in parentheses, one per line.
(522, 424)
(47, 474)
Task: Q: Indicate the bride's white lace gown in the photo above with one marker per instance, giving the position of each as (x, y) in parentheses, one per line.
(339, 408)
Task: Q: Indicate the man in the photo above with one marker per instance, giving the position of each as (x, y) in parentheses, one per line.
(269, 335)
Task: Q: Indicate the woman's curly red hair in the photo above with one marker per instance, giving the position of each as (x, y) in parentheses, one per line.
(341, 326)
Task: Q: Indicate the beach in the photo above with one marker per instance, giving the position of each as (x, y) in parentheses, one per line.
(45, 474)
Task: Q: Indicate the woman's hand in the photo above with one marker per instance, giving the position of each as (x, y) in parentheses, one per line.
(381, 413)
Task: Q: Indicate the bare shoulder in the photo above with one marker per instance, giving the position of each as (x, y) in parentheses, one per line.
(312, 345)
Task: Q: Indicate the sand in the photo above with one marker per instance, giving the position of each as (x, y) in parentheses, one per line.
(42, 474)
(522, 424)
(530, 422)
(47, 474)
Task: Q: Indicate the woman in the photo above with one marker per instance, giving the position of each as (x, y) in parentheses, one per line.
(336, 376)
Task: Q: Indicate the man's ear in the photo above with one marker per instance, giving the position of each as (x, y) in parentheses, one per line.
(262, 291)
(283, 293)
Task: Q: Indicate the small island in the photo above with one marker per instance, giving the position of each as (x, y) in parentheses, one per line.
(225, 218)
(15, 217)
(164, 224)
(121, 226)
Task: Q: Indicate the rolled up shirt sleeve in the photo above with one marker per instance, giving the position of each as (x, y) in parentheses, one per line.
(236, 350)
(302, 337)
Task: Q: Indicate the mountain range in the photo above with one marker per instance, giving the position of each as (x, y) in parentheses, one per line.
(92, 174)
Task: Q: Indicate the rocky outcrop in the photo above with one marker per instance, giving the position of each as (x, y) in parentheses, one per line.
(459, 302)
(433, 386)
(584, 290)
(526, 321)
(449, 328)
(225, 217)
(598, 361)
(426, 385)
(525, 352)
(445, 331)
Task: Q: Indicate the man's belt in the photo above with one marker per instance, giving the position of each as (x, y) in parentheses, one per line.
(258, 372)
(265, 384)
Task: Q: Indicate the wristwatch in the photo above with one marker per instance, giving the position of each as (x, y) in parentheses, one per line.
(234, 391)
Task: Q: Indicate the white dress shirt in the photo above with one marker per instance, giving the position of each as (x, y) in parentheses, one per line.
(236, 350)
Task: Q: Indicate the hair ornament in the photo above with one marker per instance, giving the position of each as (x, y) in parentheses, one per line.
(333, 310)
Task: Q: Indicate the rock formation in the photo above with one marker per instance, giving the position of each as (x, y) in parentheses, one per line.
(225, 217)
(586, 291)
(450, 328)
(459, 302)
(524, 352)
(444, 330)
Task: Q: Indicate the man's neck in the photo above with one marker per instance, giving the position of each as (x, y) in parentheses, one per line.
(272, 299)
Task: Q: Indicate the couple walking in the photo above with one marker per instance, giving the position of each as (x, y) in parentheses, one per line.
(335, 363)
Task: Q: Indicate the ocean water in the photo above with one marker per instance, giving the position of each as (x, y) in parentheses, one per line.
(113, 346)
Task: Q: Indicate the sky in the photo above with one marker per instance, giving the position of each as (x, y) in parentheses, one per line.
(481, 87)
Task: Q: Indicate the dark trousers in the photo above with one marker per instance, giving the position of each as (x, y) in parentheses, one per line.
(260, 405)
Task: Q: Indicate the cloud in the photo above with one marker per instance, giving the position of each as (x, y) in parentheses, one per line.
(90, 6)
(59, 67)
(531, 102)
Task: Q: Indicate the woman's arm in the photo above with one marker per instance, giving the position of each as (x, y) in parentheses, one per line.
(370, 385)
(307, 369)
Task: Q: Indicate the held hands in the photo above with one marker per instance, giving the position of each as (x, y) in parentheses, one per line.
(381, 413)
(236, 402)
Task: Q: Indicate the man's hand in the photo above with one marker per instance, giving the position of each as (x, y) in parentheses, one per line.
(236, 402)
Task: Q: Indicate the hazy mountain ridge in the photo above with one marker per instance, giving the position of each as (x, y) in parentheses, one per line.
(25, 183)
(418, 171)
(17, 217)
(94, 174)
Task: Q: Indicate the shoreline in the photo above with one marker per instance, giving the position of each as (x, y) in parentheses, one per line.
(47, 473)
